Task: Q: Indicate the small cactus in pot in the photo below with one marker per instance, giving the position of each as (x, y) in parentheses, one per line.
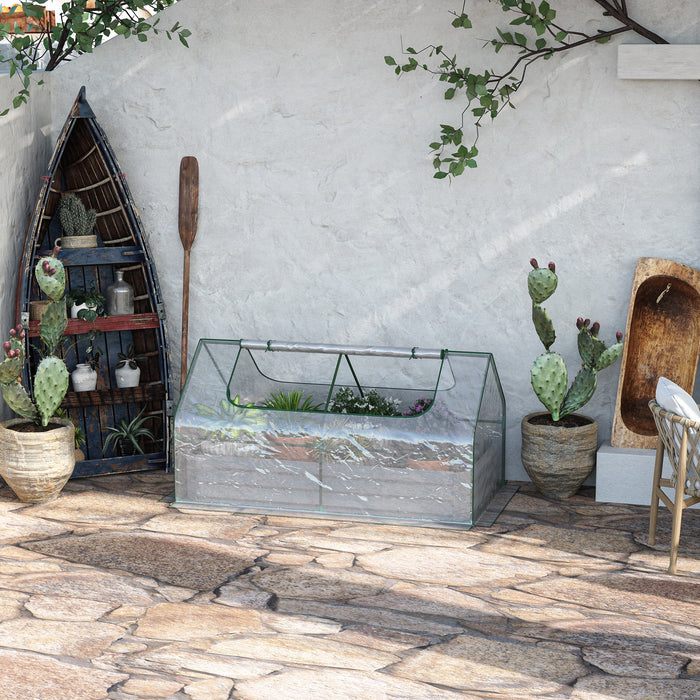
(76, 220)
(51, 379)
(548, 374)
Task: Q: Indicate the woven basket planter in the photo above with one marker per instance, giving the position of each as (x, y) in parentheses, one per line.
(36, 465)
(558, 459)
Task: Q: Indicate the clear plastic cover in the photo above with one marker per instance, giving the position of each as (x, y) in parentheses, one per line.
(257, 430)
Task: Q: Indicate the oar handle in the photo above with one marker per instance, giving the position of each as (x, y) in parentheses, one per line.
(185, 316)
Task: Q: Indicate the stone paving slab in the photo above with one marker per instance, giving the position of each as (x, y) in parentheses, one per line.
(110, 594)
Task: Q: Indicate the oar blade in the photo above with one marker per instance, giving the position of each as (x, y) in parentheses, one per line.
(189, 200)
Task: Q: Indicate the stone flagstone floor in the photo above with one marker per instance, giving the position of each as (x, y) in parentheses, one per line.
(110, 593)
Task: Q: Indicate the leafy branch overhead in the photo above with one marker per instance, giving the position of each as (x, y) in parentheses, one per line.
(533, 33)
(82, 25)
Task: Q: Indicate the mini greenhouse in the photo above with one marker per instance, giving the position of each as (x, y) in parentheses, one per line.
(267, 427)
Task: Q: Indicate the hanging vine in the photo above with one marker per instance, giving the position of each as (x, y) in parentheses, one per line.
(532, 34)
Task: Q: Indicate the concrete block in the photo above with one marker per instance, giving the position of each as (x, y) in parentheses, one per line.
(624, 475)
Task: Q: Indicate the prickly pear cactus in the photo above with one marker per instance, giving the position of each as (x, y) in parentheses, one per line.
(19, 401)
(52, 324)
(50, 386)
(548, 374)
(75, 219)
(51, 380)
(51, 277)
(549, 378)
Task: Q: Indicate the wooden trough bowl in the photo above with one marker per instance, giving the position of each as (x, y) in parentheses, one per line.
(662, 339)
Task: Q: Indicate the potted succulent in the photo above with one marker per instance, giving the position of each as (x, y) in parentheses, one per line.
(84, 376)
(77, 222)
(125, 437)
(85, 304)
(37, 450)
(127, 371)
(559, 446)
(295, 447)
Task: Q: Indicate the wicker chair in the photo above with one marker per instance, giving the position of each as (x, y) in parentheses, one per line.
(679, 438)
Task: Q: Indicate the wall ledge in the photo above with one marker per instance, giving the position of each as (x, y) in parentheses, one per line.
(658, 61)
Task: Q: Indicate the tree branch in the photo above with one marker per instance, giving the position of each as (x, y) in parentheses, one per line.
(619, 12)
(493, 91)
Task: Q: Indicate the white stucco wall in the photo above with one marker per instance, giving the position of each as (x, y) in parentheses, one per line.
(319, 217)
(25, 143)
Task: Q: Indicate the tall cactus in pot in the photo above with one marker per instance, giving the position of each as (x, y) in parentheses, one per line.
(548, 374)
(37, 451)
(51, 379)
(558, 455)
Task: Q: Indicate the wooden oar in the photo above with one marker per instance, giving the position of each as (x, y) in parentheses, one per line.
(187, 225)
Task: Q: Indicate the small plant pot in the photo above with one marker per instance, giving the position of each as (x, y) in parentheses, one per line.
(84, 378)
(558, 457)
(125, 448)
(77, 308)
(77, 241)
(37, 308)
(127, 377)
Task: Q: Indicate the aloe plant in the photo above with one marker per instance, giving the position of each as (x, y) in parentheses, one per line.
(129, 431)
(291, 401)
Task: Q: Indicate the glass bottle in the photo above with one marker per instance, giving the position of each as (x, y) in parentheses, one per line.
(119, 297)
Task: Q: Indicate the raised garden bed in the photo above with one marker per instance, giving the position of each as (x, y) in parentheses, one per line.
(439, 459)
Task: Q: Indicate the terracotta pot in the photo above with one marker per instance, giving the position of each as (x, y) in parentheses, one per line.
(432, 465)
(558, 459)
(36, 465)
(37, 308)
(294, 449)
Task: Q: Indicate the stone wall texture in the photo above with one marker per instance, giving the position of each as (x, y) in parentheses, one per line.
(319, 217)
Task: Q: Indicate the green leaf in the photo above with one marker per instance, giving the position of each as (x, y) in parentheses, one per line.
(560, 36)
(540, 44)
(440, 175)
(506, 36)
(389, 61)
(519, 20)
(449, 94)
(462, 22)
(520, 39)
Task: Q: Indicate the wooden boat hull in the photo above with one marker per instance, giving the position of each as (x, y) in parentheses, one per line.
(83, 163)
(662, 339)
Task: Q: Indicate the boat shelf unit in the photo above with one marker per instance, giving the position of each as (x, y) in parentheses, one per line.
(84, 164)
(440, 467)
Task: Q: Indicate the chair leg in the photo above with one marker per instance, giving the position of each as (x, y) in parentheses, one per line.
(653, 515)
(678, 503)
